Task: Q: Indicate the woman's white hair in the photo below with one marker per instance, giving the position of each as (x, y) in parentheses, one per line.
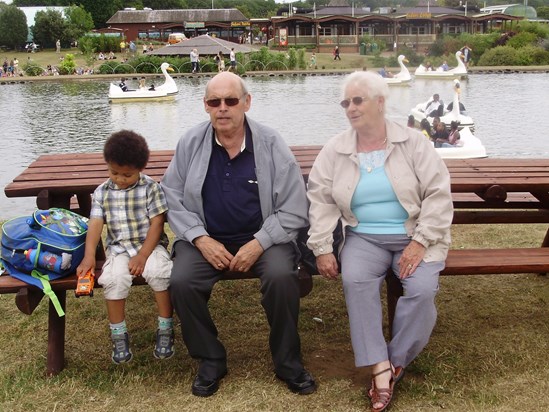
(372, 83)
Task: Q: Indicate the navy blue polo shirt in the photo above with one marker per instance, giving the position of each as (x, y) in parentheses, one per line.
(231, 195)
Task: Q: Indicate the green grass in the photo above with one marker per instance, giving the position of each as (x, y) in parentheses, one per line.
(488, 351)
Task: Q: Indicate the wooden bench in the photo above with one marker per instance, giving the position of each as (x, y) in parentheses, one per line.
(485, 191)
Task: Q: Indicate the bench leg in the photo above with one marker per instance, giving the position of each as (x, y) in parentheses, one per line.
(56, 337)
(305, 283)
(545, 244)
(394, 291)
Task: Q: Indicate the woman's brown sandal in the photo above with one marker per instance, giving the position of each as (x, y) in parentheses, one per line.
(382, 395)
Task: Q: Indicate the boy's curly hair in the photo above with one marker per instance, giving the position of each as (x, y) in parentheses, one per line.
(126, 148)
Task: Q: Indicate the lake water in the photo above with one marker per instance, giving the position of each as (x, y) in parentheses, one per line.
(510, 112)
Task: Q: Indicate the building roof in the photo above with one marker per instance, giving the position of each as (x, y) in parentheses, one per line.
(170, 16)
(205, 44)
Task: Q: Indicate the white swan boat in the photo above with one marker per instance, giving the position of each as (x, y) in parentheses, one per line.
(470, 147)
(165, 91)
(401, 78)
(449, 116)
(459, 72)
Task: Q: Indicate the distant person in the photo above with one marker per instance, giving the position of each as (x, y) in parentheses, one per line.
(123, 84)
(428, 66)
(220, 60)
(411, 121)
(436, 121)
(425, 128)
(133, 208)
(58, 46)
(15, 66)
(450, 107)
(151, 47)
(385, 73)
(144, 48)
(441, 135)
(133, 48)
(194, 60)
(466, 54)
(142, 83)
(444, 66)
(435, 106)
(336, 53)
(312, 63)
(453, 135)
(122, 46)
(232, 58)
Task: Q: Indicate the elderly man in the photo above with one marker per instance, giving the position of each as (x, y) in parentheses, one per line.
(236, 201)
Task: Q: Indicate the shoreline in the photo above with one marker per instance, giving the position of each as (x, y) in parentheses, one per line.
(318, 72)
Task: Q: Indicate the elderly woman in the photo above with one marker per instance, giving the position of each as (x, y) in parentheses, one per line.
(391, 192)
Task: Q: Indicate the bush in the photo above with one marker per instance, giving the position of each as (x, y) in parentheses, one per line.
(540, 30)
(100, 43)
(301, 63)
(292, 59)
(522, 39)
(500, 56)
(68, 65)
(532, 55)
(32, 69)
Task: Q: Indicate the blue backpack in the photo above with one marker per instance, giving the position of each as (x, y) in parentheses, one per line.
(45, 246)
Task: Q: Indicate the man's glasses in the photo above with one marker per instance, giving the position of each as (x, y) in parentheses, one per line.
(357, 101)
(229, 101)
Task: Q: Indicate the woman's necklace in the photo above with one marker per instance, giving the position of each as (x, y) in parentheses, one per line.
(370, 148)
(371, 160)
(372, 157)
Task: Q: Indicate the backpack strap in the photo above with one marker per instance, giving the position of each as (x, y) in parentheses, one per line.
(45, 281)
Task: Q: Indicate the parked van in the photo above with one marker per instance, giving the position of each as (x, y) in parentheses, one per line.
(176, 38)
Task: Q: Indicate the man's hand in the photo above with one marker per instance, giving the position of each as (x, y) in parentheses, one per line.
(327, 266)
(247, 256)
(214, 252)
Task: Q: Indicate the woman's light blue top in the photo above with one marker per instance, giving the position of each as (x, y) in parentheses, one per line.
(374, 202)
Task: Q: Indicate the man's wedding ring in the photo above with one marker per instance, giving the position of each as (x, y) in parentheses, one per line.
(220, 265)
(410, 266)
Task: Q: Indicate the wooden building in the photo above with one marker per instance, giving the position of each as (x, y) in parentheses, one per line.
(228, 24)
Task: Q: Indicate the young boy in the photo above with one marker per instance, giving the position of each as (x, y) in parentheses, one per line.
(133, 208)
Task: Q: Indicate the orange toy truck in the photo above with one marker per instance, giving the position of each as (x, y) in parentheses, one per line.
(84, 285)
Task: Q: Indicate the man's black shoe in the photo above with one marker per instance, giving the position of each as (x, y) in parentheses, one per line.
(205, 387)
(304, 384)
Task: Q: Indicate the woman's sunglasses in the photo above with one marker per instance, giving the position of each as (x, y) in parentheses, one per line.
(357, 101)
(229, 101)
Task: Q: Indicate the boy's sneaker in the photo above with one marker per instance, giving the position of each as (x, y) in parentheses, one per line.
(163, 349)
(121, 352)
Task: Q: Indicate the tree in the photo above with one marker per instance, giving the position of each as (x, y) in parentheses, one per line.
(101, 10)
(48, 26)
(13, 26)
(165, 4)
(79, 22)
(543, 12)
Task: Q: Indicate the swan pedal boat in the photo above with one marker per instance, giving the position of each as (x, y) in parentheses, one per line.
(402, 78)
(470, 147)
(459, 72)
(166, 91)
(449, 116)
